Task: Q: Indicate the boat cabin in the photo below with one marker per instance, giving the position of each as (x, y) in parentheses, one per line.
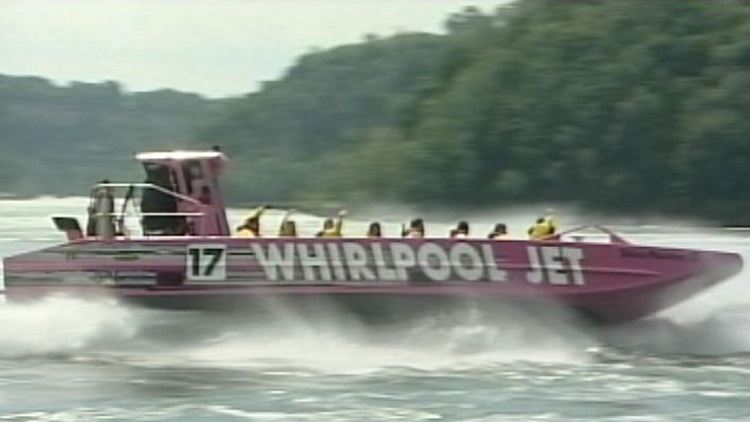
(180, 196)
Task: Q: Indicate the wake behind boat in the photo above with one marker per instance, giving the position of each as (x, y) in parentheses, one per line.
(182, 255)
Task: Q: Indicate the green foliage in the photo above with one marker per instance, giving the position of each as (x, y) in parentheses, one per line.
(61, 140)
(299, 136)
(628, 105)
(631, 105)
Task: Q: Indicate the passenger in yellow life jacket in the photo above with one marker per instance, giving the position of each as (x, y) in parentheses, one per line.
(251, 226)
(543, 228)
(331, 228)
(287, 228)
(552, 226)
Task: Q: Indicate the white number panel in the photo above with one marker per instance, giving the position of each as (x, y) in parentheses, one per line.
(206, 262)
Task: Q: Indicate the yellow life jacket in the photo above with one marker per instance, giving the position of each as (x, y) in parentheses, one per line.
(246, 232)
(334, 232)
(541, 230)
(551, 226)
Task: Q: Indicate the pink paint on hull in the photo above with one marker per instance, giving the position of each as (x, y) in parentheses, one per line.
(619, 282)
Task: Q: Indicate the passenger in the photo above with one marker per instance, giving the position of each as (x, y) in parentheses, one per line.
(461, 230)
(374, 230)
(332, 228)
(551, 222)
(287, 228)
(251, 226)
(101, 211)
(415, 230)
(500, 231)
(543, 228)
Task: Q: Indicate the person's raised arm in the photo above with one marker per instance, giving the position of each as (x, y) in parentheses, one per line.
(338, 228)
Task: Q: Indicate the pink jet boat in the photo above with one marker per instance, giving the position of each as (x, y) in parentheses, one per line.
(183, 256)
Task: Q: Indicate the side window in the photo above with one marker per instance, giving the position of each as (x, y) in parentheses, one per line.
(173, 181)
(192, 172)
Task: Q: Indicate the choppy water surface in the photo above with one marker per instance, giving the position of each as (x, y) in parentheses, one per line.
(66, 359)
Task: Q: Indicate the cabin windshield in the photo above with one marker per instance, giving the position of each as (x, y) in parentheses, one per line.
(155, 201)
(159, 175)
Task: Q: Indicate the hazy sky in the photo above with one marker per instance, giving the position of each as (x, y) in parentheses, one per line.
(214, 47)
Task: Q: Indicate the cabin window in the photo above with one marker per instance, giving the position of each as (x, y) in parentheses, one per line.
(154, 201)
(159, 175)
(191, 171)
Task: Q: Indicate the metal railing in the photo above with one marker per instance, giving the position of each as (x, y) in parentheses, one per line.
(613, 237)
(111, 223)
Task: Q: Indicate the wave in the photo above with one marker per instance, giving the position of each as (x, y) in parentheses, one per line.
(61, 325)
(330, 339)
(336, 343)
(722, 331)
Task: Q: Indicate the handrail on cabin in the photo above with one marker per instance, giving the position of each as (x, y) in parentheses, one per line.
(149, 214)
(151, 186)
(614, 237)
(122, 214)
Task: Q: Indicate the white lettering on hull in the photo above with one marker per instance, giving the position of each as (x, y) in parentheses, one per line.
(384, 270)
(536, 273)
(402, 262)
(558, 266)
(494, 273)
(356, 260)
(275, 262)
(403, 258)
(314, 260)
(434, 262)
(467, 262)
(337, 264)
(574, 256)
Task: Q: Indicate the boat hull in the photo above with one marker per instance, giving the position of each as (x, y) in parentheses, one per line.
(375, 278)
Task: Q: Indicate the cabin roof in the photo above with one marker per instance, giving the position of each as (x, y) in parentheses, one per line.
(179, 155)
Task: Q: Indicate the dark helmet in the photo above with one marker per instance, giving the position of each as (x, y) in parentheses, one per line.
(374, 229)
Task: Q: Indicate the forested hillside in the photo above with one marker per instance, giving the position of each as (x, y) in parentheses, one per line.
(290, 137)
(62, 139)
(629, 105)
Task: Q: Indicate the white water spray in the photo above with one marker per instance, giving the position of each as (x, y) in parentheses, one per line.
(61, 325)
(336, 342)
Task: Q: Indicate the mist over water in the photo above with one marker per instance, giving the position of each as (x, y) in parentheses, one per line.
(104, 359)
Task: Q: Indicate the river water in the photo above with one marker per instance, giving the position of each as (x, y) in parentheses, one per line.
(65, 359)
